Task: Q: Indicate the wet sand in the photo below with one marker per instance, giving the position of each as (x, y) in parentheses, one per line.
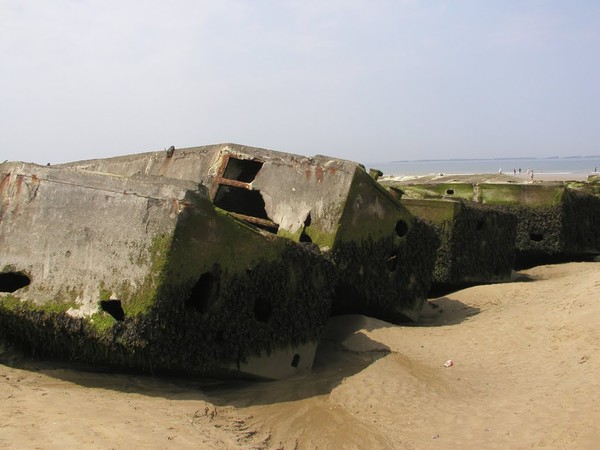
(525, 374)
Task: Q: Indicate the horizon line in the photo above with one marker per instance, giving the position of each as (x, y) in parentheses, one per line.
(493, 159)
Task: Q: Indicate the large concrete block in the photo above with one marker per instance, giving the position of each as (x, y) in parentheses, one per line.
(555, 220)
(383, 256)
(477, 242)
(144, 272)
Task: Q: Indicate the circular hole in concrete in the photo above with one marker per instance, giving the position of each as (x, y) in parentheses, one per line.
(401, 228)
(536, 237)
(449, 191)
(202, 293)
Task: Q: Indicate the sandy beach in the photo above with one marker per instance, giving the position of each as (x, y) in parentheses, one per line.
(525, 374)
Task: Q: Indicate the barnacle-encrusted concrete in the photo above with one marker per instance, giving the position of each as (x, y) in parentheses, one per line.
(144, 272)
(384, 258)
(477, 242)
(554, 219)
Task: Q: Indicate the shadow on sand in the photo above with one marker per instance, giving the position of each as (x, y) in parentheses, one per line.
(444, 311)
(334, 361)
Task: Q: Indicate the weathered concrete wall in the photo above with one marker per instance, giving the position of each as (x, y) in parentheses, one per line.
(147, 274)
(477, 242)
(192, 164)
(383, 254)
(292, 188)
(554, 219)
(303, 196)
(570, 229)
(388, 278)
(74, 232)
(326, 201)
(594, 178)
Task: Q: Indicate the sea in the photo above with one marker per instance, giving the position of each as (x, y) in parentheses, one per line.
(552, 165)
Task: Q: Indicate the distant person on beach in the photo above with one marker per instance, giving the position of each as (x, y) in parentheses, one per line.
(531, 174)
(519, 170)
(514, 171)
(595, 169)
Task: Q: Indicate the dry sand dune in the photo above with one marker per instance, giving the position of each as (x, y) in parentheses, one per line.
(526, 374)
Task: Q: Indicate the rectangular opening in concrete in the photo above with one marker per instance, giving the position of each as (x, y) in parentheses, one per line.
(246, 204)
(244, 170)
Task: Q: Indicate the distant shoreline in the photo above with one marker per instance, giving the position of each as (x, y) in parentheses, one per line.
(502, 158)
(517, 158)
(522, 178)
(543, 168)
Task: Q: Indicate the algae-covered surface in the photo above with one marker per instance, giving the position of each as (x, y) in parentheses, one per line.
(477, 243)
(383, 256)
(202, 312)
(554, 218)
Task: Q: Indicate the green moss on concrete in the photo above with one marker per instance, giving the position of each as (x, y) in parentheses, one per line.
(101, 322)
(383, 255)
(57, 307)
(322, 231)
(452, 190)
(477, 242)
(432, 190)
(294, 289)
(433, 210)
(564, 224)
(387, 278)
(9, 302)
(590, 188)
(554, 218)
(320, 237)
(104, 294)
(142, 299)
(528, 195)
(206, 236)
(282, 232)
(370, 212)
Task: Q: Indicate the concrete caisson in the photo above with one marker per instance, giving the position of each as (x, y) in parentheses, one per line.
(144, 272)
(383, 256)
(555, 220)
(477, 242)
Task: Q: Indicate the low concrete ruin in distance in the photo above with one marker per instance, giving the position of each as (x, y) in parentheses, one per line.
(555, 220)
(211, 260)
(477, 242)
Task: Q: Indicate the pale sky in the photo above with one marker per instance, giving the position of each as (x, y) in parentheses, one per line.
(372, 80)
